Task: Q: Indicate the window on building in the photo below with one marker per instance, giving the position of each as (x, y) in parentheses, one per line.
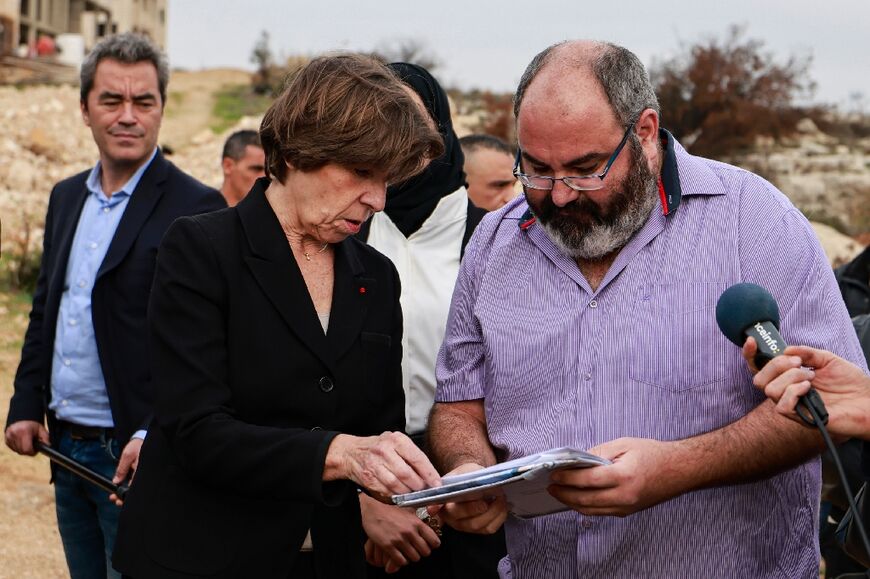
(25, 7)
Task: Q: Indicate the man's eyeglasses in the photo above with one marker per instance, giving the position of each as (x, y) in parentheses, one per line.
(581, 183)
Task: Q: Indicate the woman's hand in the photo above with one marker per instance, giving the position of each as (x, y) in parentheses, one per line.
(396, 536)
(387, 464)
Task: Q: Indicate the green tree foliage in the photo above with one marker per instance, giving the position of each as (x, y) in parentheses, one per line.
(719, 95)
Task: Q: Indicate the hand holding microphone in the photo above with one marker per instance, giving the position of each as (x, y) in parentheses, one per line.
(843, 386)
(747, 310)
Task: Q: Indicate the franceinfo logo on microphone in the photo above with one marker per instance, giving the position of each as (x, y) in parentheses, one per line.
(767, 338)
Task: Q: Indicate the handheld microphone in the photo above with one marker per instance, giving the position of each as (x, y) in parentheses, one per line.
(748, 310)
(745, 310)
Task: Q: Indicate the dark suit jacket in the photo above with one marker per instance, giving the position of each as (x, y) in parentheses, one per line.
(120, 294)
(250, 393)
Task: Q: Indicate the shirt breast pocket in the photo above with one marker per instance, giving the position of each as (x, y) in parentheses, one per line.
(676, 343)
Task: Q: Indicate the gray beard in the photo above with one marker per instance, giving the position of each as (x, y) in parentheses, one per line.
(598, 240)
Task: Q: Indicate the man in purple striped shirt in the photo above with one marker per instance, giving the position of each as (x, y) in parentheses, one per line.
(583, 316)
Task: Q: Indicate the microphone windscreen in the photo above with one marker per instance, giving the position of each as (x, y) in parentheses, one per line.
(743, 305)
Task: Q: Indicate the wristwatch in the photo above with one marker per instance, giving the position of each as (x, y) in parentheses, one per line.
(433, 522)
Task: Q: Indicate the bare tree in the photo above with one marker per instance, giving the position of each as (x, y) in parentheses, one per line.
(261, 55)
(408, 50)
(719, 95)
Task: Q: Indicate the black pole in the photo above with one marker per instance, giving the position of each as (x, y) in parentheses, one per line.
(81, 470)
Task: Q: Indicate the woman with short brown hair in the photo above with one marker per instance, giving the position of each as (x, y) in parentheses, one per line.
(276, 342)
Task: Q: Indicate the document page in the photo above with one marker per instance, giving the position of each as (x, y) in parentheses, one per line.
(523, 481)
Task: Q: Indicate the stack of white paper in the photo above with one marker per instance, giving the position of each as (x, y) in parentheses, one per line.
(523, 481)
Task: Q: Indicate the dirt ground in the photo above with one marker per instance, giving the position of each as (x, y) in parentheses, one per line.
(190, 102)
(29, 541)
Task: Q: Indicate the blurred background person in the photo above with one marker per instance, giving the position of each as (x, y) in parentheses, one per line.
(242, 162)
(423, 229)
(276, 339)
(489, 177)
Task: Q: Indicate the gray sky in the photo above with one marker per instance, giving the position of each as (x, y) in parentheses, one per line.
(487, 44)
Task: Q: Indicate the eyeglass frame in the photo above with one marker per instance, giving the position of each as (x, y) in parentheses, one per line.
(520, 176)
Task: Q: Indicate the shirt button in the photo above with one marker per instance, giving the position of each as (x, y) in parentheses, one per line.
(65, 402)
(82, 283)
(326, 384)
(105, 209)
(67, 361)
(593, 304)
(587, 376)
(73, 322)
(92, 245)
(586, 524)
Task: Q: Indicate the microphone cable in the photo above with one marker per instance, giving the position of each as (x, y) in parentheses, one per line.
(818, 417)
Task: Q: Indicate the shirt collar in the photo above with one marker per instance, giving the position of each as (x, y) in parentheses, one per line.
(94, 186)
(683, 174)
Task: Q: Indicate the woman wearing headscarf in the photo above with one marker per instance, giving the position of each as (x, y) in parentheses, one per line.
(276, 347)
(423, 229)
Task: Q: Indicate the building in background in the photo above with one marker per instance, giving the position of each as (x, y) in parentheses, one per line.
(24, 22)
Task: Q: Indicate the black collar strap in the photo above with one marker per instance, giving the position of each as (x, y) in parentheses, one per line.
(669, 179)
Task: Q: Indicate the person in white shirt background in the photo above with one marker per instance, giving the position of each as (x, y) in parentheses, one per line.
(423, 230)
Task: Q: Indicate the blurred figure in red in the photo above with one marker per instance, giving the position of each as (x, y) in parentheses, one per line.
(45, 46)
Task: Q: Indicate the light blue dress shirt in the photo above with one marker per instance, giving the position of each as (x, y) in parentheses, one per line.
(78, 388)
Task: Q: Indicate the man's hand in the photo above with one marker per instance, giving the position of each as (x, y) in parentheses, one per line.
(483, 516)
(396, 536)
(20, 435)
(844, 388)
(127, 464)
(641, 476)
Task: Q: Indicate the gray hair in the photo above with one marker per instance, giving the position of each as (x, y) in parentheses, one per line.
(128, 48)
(619, 71)
(625, 82)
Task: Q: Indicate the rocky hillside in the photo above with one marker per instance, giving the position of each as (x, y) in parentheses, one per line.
(829, 179)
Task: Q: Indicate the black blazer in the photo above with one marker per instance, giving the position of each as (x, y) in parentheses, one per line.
(250, 393)
(120, 294)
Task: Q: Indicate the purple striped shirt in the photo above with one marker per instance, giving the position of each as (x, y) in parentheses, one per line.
(558, 364)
